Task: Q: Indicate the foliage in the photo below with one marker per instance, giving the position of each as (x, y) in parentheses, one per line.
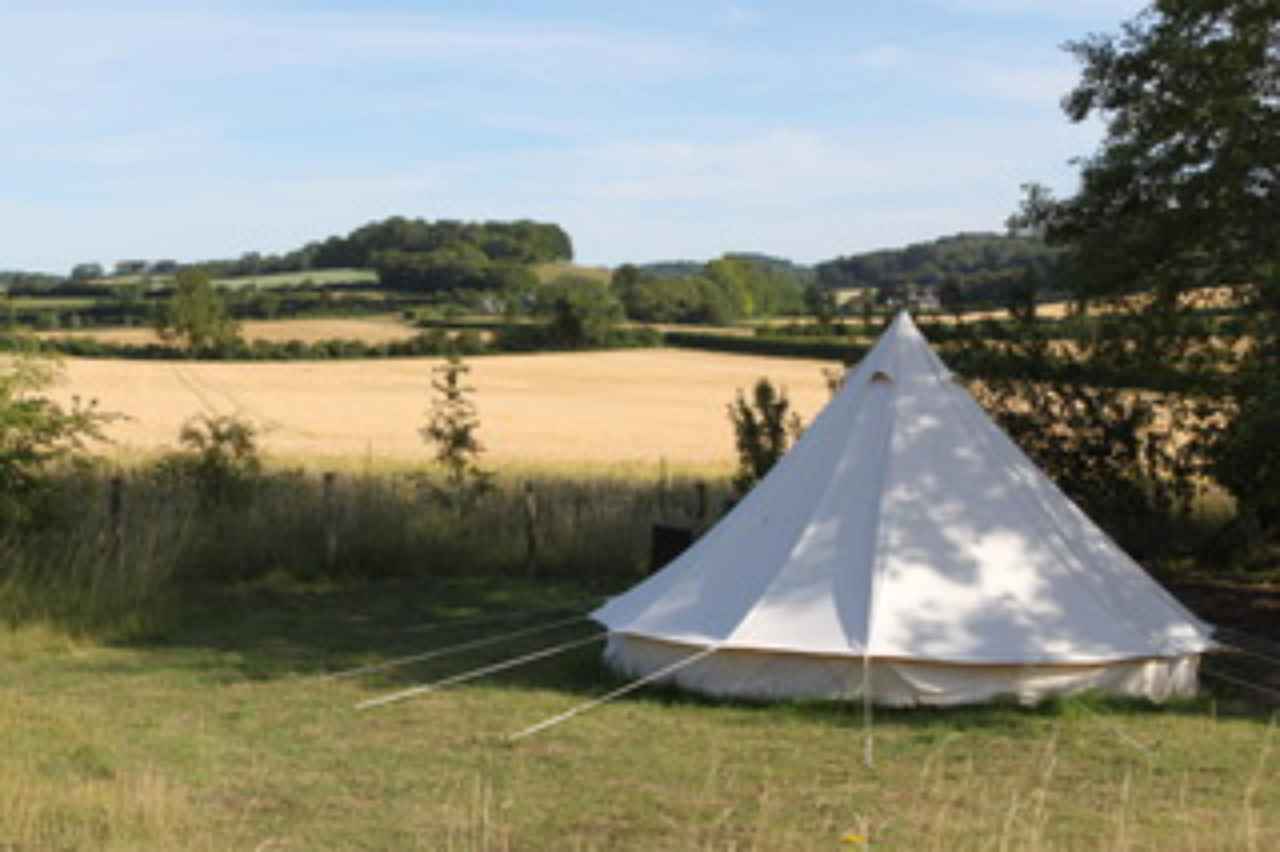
(1183, 192)
(1247, 458)
(1134, 460)
(762, 432)
(196, 314)
(1185, 186)
(978, 266)
(821, 303)
(35, 432)
(452, 427)
(86, 271)
(521, 241)
(718, 292)
(582, 311)
(220, 458)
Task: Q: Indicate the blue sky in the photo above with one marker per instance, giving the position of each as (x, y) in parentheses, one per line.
(649, 130)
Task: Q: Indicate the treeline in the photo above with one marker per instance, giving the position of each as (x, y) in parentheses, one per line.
(721, 291)
(433, 342)
(960, 269)
(16, 281)
(415, 254)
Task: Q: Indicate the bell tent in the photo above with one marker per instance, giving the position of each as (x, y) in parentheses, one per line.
(905, 552)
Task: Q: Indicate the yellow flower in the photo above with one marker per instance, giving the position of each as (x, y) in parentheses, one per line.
(855, 839)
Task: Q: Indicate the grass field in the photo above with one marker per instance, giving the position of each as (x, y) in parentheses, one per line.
(551, 271)
(319, 277)
(597, 408)
(221, 733)
(31, 303)
(374, 329)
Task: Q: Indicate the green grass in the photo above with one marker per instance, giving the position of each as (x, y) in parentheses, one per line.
(149, 699)
(548, 272)
(319, 277)
(31, 303)
(219, 733)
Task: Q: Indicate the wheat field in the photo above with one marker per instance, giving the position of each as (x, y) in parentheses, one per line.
(377, 329)
(597, 408)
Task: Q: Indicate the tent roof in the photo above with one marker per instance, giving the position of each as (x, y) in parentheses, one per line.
(905, 524)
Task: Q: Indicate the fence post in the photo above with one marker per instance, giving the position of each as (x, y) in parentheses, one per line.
(330, 522)
(115, 512)
(701, 488)
(662, 487)
(531, 527)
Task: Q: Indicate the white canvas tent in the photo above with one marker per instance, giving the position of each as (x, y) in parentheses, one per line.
(906, 552)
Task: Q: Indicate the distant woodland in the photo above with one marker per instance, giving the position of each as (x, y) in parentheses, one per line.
(964, 268)
(437, 258)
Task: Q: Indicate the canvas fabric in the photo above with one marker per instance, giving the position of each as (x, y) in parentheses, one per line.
(904, 525)
(764, 675)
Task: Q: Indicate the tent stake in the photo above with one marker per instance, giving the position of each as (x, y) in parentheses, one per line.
(634, 685)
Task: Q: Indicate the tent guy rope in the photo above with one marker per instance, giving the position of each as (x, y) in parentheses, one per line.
(480, 672)
(620, 691)
(453, 649)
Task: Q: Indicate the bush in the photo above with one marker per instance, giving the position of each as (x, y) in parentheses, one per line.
(36, 432)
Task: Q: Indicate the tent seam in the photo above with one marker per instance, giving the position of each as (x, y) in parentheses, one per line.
(887, 417)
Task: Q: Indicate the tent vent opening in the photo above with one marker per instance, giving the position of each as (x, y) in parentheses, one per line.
(880, 376)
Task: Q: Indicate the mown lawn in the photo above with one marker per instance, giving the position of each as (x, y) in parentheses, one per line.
(223, 733)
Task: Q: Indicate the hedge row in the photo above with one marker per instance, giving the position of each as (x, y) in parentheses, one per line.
(1228, 323)
(976, 362)
(432, 343)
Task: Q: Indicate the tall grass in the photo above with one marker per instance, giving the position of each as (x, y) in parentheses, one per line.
(92, 568)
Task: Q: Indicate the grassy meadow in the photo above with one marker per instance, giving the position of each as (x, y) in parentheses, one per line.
(221, 731)
(168, 658)
(317, 277)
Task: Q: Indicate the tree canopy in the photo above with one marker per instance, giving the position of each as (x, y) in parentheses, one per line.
(195, 313)
(1185, 188)
(979, 266)
(731, 287)
(1184, 192)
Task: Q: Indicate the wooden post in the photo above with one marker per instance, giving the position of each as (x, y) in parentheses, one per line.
(115, 513)
(531, 527)
(330, 522)
(701, 488)
(662, 488)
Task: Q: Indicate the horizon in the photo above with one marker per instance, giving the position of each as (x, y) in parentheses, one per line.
(650, 135)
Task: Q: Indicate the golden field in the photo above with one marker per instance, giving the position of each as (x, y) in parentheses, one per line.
(632, 407)
(379, 329)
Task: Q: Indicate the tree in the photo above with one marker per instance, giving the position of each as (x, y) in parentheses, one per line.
(583, 311)
(1184, 192)
(86, 271)
(219, 457)
(762, 432)
(36, 432)
(951, 298)
(130, 267)
(821, 302)
(1185, 189)
(452, 427)
(195, 313)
